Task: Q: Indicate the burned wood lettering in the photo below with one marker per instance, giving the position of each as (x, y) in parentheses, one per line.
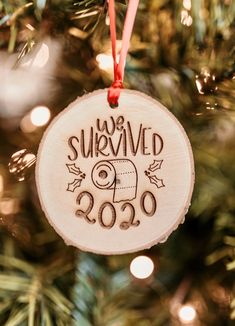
(117, 139)
(111, 211)
(98, 141)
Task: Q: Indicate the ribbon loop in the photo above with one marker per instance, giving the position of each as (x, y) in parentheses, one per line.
(118, 67)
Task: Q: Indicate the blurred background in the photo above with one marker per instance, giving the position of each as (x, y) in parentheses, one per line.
(183, 54)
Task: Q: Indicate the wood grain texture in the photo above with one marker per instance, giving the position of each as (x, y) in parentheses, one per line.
(113, 181)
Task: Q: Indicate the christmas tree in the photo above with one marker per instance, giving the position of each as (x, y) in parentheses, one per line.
(181, 53)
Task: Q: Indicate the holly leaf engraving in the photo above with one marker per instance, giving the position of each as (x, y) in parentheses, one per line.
(156, 165)
(73, 169)
(157, 182)
(73, 185)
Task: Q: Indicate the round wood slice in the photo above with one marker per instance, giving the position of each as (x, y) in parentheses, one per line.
(113, 181)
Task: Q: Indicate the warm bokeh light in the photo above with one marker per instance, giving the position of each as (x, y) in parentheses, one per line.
(30, 27)
(42, 56)
(186, 19)
(141, 267)
(29, 81)
(199, 86)
(20, 163)
(26, 124)
(187, 314)
(40, 59)
(9, 206)
(107, 20)
(40, 116)
(105, 61)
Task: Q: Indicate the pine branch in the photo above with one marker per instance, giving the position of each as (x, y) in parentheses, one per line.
(34, 288)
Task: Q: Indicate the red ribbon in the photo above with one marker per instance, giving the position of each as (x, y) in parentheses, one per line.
(118, 67)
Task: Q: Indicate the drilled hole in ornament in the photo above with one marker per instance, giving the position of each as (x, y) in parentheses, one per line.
(103, 174)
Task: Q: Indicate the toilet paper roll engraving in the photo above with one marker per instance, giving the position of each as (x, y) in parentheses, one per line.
(117, 175)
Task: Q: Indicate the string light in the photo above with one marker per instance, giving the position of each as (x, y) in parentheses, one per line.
(187, 314)
(20, 163)
(199, 85)
(105, 61)
(40, 115)
(107, 20)
(30, 27)
(206, 82)
(187, 4)
(26, 83)
(42, 56)
(186, 19)
(141, 267)
(40, 59)
(76, 32)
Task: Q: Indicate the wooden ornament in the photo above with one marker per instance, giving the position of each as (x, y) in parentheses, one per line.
(113, 181)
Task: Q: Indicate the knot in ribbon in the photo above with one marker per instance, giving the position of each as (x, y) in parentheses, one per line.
(114, 93)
